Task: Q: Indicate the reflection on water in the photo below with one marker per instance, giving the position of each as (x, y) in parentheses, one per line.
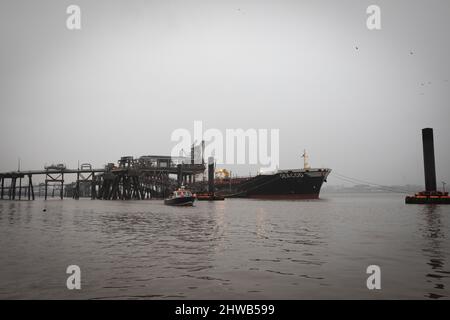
(433, 251)
(233, 249)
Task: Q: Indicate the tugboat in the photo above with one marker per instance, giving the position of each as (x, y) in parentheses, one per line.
(180, 197)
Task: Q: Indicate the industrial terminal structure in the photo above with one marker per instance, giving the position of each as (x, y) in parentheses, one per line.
(142, 178)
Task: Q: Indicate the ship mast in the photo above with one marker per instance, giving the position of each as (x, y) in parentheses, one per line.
(305, 160)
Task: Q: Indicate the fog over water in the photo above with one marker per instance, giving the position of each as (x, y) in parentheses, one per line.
(137, 70)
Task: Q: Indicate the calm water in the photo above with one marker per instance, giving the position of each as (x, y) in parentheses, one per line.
(234, 249)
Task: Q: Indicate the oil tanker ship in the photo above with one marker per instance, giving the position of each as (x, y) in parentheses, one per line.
(283, 184)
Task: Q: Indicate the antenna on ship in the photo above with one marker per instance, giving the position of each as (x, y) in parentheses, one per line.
(305, 160)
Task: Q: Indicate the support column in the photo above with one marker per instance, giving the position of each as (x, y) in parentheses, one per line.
(93, 195)
(76, 194)
(12, 188)
(211, 175)
(30, 188)
(179, 175)
(62, 186)
(20, 188)
(9, 189)
(428, 159)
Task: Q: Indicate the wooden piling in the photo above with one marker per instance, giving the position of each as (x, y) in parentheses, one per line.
(12, 189)
(62, 186)
(93, 193)
(30, 187)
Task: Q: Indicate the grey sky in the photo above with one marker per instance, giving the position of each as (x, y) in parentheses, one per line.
(140, 69)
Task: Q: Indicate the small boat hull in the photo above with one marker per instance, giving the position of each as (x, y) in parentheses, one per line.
(184, 201)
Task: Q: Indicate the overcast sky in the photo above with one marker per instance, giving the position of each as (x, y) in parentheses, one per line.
(137, 70)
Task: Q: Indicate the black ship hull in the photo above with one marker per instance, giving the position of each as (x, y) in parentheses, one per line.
(185, 201)
(285, 184)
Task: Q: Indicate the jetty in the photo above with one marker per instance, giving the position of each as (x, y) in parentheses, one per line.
(141, 178)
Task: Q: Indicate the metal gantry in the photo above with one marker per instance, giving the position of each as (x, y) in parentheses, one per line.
(142, 178)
